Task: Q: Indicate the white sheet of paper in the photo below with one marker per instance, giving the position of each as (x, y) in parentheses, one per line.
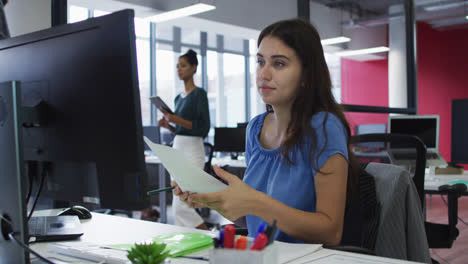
(188, 176)
(293, 251)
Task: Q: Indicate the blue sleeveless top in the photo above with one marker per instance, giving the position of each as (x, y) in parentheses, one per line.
(292, 185)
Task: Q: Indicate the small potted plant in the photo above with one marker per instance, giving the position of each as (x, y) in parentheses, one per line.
(153, 253)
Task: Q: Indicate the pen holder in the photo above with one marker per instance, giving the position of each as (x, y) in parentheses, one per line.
(268, 255)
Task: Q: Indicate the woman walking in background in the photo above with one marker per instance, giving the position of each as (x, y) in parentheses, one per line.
(190, 123)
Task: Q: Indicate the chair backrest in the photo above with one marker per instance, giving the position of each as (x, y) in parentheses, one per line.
(401, 232)
(209, 149)
(410, 141)
(371, 129)
(401, 199)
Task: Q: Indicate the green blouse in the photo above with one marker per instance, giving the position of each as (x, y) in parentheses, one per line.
(193, 107)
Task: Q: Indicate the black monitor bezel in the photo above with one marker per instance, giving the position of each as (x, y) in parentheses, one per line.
(458, 141)
(122, 25)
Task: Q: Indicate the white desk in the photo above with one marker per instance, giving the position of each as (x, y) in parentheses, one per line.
(107, 229)
(433, 181)
(238, 163)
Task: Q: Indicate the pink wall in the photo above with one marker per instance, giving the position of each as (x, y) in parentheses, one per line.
(364, 83)
(442, 76)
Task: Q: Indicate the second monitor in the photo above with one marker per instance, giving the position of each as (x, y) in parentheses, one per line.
(229, 139)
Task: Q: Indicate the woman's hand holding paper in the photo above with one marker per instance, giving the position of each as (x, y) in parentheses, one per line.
(233, 202)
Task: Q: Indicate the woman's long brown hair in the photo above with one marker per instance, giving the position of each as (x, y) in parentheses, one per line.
(314, 93)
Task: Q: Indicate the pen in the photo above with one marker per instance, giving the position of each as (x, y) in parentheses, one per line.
(221, 238)
(271, 236)
(161, 190)
(260, 242)
(261, 229)
(197, 258)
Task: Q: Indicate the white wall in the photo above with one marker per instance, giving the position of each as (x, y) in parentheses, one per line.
(25, 16)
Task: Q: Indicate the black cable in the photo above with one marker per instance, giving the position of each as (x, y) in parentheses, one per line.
(45, 169)
(30, 178)
(28, 249)
(461, 220)
(24, 246)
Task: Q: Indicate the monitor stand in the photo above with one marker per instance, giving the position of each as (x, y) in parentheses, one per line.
(12, 189)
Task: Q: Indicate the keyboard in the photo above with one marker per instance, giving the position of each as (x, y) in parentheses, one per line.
(91, 252)
(37, 225)
(53, 228)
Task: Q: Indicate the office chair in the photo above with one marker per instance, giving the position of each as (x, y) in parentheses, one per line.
(382, 218)
(370, 129)
(209, 150)
(438, 235)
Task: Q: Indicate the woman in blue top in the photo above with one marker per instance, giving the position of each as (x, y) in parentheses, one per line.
(297, 153)
(192, 122)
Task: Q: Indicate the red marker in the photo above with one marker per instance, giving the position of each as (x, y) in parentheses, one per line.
(229, 233)
(260, 242)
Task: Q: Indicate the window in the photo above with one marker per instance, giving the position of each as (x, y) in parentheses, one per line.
(142, 28)
(234, 88)
(166, 74)
(77, 13)
(143, 61)
(98, 13)
(257, 106)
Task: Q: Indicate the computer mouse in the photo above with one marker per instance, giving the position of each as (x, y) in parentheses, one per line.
(458, 188)
(444, 187)
(77, 210)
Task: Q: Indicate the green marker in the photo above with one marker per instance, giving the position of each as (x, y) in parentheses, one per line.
(161, 190)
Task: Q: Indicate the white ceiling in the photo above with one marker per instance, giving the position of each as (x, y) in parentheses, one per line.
(440, 14)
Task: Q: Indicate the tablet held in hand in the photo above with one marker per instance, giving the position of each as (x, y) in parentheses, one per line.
(156, 100)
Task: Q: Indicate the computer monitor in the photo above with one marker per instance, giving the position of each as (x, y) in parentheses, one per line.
(459, 151)
(371, 129)
(152, 132)
(243, 124)
(229, 139)
(91, 136)
(426, 127)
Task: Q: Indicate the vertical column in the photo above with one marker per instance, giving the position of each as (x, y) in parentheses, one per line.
(59, 12)
(303, 9)
(153, 82)
(247, 79)
(204, 67)
(397, 84)
(177, 48)
(402, 67)
(221, 116)
(411, 62)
